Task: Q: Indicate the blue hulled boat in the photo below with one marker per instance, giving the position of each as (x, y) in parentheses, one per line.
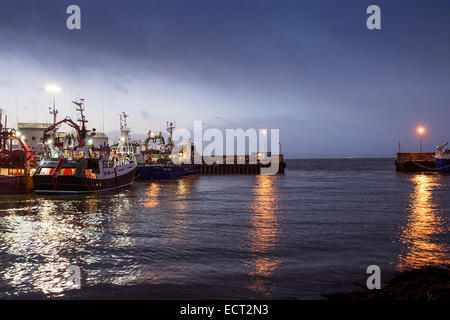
(158, 162)
(442, 158)
(167, 172)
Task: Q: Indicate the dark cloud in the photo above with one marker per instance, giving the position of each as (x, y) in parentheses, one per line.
(315, 57)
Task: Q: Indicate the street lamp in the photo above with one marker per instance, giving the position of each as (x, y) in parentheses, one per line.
(53, 89)
(420, 131)
(264, 133)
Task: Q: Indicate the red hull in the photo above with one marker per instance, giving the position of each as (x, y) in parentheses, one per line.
(72, 184)
(16, 184)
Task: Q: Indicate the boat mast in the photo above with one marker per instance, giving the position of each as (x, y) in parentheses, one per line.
(53, 111)
(81, 119)
(80, 108)
(170, 127)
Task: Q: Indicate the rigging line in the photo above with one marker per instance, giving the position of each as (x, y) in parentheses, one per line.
(431, 169)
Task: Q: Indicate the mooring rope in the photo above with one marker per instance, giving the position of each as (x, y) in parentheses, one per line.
(431, 169)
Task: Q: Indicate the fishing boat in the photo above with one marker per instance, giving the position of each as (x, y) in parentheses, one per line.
(75, 165)
(157, 161)
(442, 158)
(124, 148)
(17, 161)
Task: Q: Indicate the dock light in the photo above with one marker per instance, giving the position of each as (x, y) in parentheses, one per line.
(264, 138)
(420, 131)
(52, 88)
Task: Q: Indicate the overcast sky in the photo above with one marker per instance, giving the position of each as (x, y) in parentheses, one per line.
(310, 68)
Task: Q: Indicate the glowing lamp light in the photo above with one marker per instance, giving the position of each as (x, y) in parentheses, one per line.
(23, 137)
(53, 88)
(90, 142)
(122, 138)
(49, 141)
(264, 131)
(420, 131)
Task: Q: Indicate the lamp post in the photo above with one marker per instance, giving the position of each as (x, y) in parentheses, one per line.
(53, 89)
(264, 132)
(420, 131)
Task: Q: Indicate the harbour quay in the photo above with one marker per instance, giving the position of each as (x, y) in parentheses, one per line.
(415, 162)
(240, 165)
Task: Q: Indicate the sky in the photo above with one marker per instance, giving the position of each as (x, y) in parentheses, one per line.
(309, 68)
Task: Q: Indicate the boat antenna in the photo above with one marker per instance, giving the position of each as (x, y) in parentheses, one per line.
(53, 111)
(170, 127)
(17, 110)
(123, 121)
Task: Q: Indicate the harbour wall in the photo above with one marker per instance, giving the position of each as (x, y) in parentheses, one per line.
(415, 162)
(239, 165)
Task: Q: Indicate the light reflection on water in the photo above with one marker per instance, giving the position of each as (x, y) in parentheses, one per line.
(151, 196)
(46, 237)
(228, 236)
(264, 235)
(174, 224)
(424, 224)
(54, 236)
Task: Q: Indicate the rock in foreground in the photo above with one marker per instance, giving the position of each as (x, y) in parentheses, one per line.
(427, 283)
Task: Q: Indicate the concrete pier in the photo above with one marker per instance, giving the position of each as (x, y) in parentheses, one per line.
(239, 165)
(415, 162)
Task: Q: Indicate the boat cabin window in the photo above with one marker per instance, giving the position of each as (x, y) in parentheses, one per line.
(89, 173)
(46, 171)
(13, 145)
(67, 171)
(11, 172)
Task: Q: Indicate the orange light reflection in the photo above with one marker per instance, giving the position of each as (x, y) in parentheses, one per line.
(151, 199)
(264, 234)
(424, 222)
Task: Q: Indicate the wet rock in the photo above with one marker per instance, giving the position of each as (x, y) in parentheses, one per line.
(427, 283)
